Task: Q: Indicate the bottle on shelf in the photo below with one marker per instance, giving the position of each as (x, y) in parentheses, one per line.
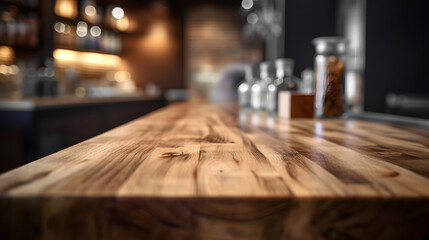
(33, 30)
(285, 81)
(260, 87)
(2, 30)
(22, 31)
(29, 83)
(10, 28)
(308, 85)
(47, 81)
(244, 88)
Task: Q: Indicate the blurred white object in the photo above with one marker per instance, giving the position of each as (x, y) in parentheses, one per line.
(226, 88)
(101, 91)
(354, 91)
(407, 101)
(308, 85)
(260, 87)
(152, 90)
(244, 89)
(285, 81)
(126, 86)
(177, 95)
(352, 25)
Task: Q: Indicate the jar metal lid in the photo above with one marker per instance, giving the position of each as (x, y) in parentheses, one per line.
(330, 45)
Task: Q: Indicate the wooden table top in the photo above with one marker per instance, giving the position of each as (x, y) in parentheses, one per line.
(198, 150)
(198, 171)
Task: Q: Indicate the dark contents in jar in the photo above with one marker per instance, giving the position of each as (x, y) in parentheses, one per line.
(333, 97)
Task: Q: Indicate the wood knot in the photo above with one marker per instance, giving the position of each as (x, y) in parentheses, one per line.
(389, 174)
(172, 154)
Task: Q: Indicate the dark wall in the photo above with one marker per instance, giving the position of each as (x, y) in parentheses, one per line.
(305, 20)
(397, 50)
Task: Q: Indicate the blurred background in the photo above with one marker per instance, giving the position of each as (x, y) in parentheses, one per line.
(71, 69)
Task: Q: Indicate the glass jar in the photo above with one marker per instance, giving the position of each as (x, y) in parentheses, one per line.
(329, 64)
(245, 87)
(259, 88)
(285, 81)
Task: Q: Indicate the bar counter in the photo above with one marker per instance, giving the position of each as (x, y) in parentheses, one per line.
(65, 101)
(31, 128)
(194, 170)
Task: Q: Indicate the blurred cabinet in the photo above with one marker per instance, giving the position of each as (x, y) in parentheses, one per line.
(28, 135)
(397, 50)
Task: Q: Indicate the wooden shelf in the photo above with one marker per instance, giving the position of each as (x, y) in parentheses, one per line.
(86, 50)
(17, 47)
(75, 21)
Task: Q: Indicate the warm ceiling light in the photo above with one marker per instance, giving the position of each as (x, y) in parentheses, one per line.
(7, 55)
(118, 12)
(123, 24)
(60, 27)
(90, 11)
(66, 8)
(67, 28)
(122, 76)
(157, 40)
(86, 59)
(3, 69)
(81, 29)
(247, 4)
(95, 31)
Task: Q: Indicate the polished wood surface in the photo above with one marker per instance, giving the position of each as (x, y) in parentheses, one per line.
(199, 171)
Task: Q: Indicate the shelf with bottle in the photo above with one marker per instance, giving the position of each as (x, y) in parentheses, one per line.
(101, 24)
(90, 30)
(22, 5)
(106, 15)
(82, 36)
(18, 29)
(87, 26)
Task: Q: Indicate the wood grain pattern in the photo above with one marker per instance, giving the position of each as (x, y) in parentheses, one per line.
(199, 171)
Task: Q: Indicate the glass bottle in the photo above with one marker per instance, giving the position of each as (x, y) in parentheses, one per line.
(308, 85)
(259, 88)
(285, 82)
(329, 65)
(245, 87)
